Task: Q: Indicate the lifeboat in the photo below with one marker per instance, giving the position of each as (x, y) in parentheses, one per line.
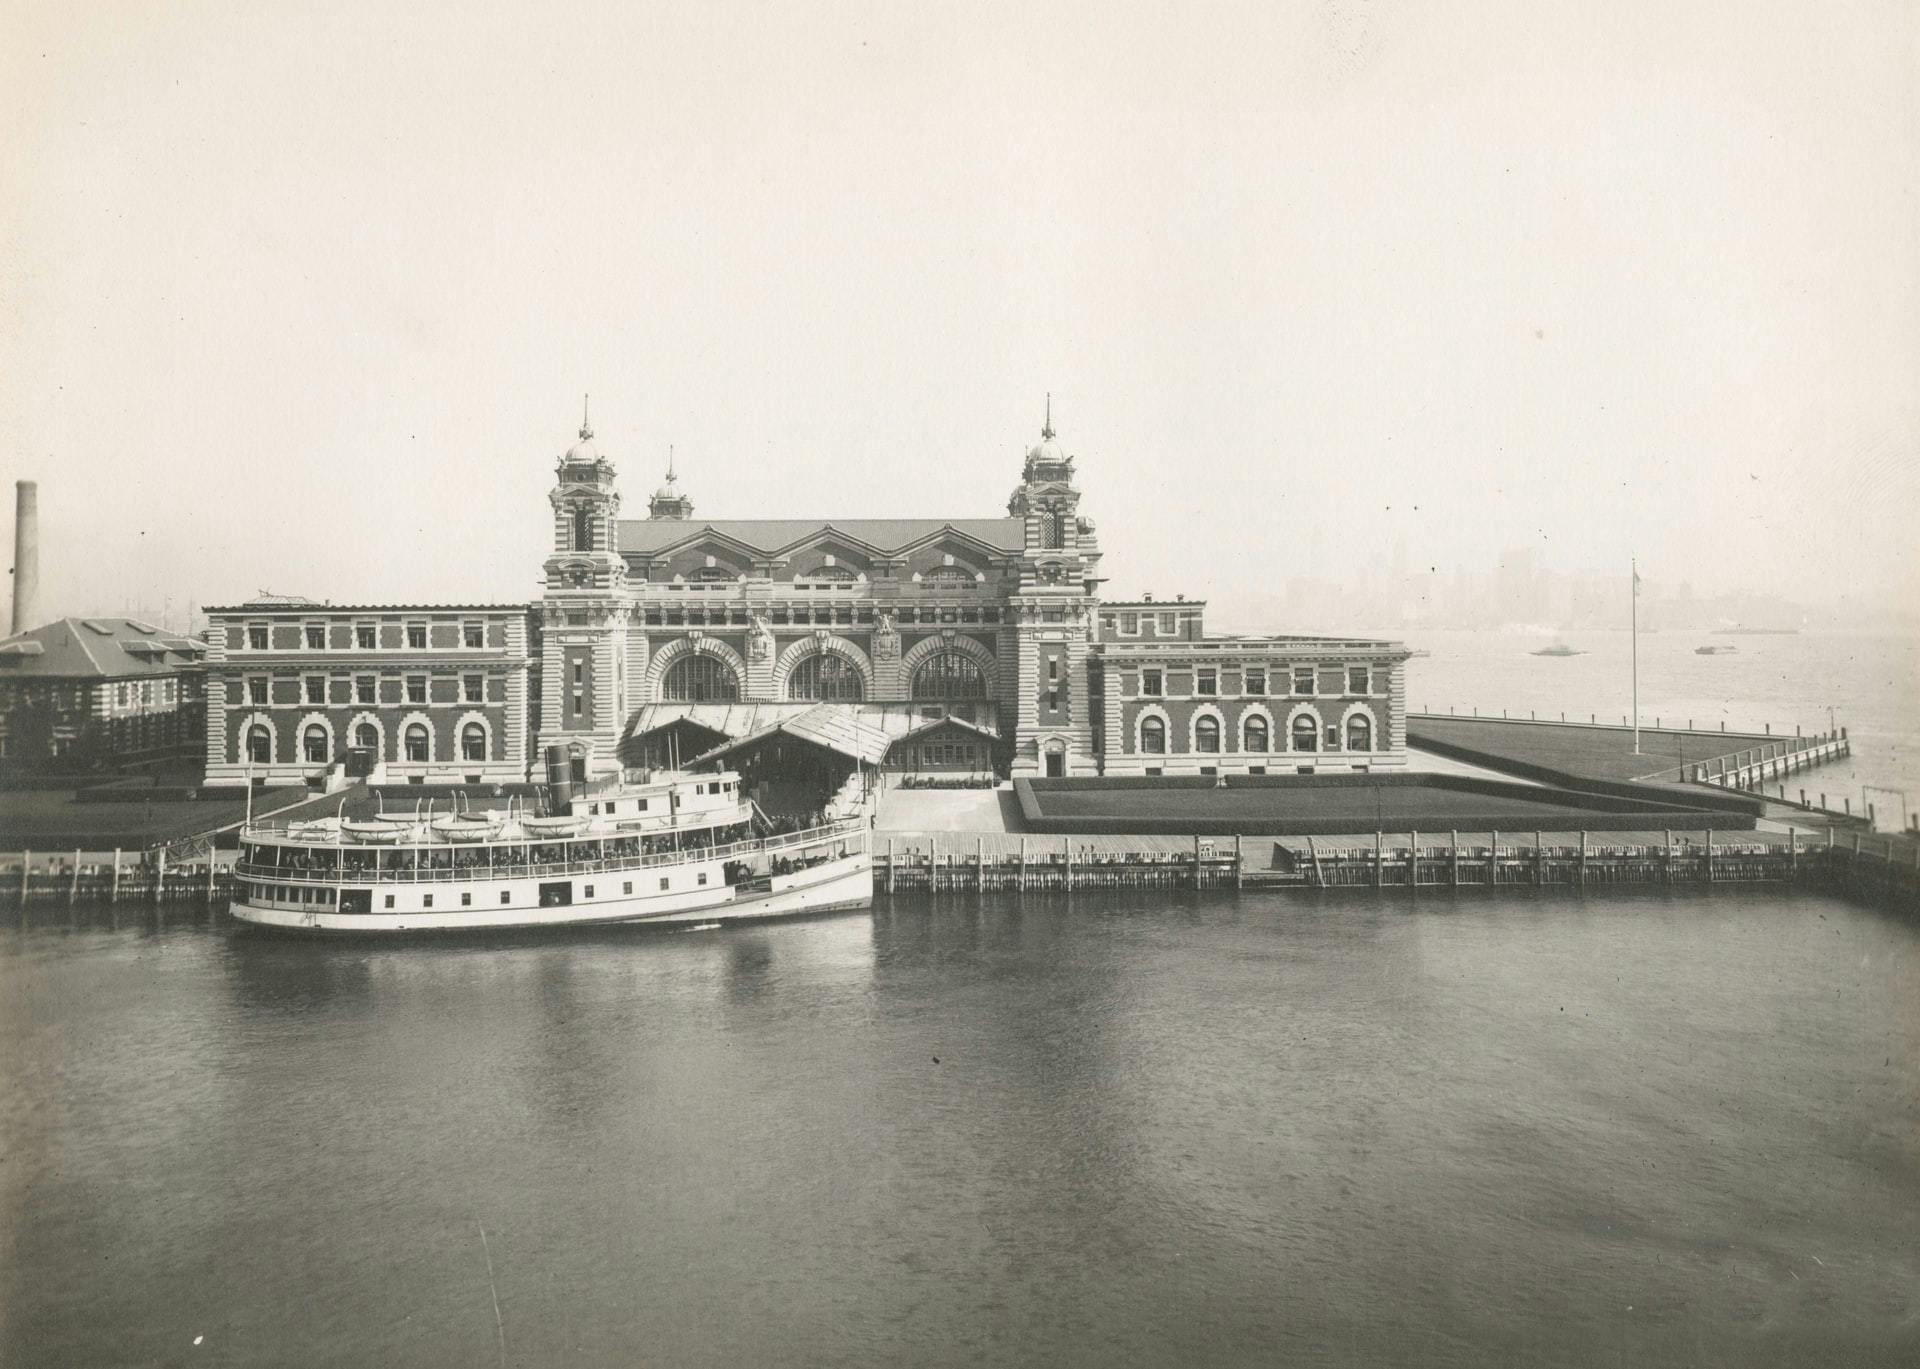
(469, 826)
(565, 826)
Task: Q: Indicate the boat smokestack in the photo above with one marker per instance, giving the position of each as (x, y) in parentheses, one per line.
(559, 779)
(26, 555)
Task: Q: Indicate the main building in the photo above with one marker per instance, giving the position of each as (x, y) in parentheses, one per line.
(909, 644)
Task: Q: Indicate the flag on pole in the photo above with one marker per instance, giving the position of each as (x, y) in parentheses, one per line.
(1636, 582)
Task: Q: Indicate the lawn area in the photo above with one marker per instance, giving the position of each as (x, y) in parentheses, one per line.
(49, 819)
(1597, 752)
(1359, 806)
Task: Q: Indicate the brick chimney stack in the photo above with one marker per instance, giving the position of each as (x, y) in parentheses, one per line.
(26, 555)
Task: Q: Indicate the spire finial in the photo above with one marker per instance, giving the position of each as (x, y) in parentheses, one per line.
(586, 422)
(1046, 428)
(670, 475)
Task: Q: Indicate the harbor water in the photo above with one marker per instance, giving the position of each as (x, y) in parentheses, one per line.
(1861, 681)
(1658, 1127)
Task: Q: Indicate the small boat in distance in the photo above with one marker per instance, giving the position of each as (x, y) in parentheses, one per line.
(1715, 650)
(1559, 649)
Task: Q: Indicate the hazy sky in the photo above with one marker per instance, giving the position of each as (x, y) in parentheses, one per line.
(304, 296)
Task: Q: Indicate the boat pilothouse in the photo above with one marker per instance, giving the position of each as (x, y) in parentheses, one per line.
(666, 848)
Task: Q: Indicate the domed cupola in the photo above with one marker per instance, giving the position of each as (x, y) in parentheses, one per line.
(669, 501)
(1048, 460)
(582, 464)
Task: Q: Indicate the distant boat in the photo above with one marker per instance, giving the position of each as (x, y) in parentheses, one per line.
(1715, 650)
(1559, 649)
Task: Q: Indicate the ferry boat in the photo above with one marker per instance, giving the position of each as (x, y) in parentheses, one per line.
(672, 849)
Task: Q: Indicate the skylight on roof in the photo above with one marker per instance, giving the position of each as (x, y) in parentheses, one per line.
(105, 629)
(139, 626)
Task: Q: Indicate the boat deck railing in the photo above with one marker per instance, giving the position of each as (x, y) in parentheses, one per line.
(325, 872)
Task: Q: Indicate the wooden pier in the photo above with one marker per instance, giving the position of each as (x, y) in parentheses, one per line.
(1869, 865)
(1873, 866)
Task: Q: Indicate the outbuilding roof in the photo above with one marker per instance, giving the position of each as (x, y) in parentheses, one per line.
(97, 649)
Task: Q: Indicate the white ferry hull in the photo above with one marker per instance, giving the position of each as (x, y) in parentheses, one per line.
(846, 883)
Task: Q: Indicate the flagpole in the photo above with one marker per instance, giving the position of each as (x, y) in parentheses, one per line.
(1634, 571)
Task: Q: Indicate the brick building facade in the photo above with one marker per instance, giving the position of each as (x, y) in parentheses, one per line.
(300, 691)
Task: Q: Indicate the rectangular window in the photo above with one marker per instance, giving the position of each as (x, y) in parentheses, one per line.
(364, 637)
(1151, 683)
(1382, 680)
(1357, 679)
(589, 893)
(316, 637)
(703, 876)
(1303, 679)
(472, 688)
(426, 901)
(389, 900)
(474, 634)
(466, 900)
(627, 887)
(1207, 681)
(1130, 623)
(316, 687)
(256, 636)
(416, 689)
(663, 881)
(1169, 625)
(1256, 682)
(364, 690)
(1053, 667)
(503, 895)
(416, 636)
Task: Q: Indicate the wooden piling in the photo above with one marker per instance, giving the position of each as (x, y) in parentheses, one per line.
(1583, 857)
(1413, 860)
(159, 872)
(892, 864)
(26, 868)
(73, 885)
(1453, 858)
(114, 897)
(1379, 859)
(979, 864)
(1539, 860)
(1710, 870)
(1239, 864)
(1069, 867)
(1493, 859)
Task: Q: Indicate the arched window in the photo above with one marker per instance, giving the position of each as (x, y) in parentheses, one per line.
(948, 577)
(473, 742)
(1256, 739)
(1153, 736)
(1206, 733)
(835, 573)
(826, 677)
(367, 736)
(698, 679)
(416, 741)
(949, 675)
(1359, 733)
(583, 529)
(260, 744)
(1306, 733)
(1053, 527)
(707, 575)
(314, 743)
